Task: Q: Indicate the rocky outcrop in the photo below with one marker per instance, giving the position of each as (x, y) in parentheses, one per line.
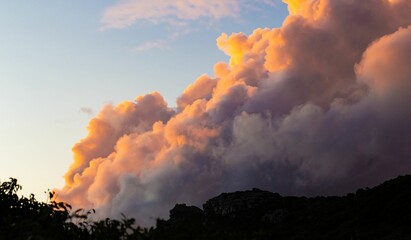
(382, 212)
(182, 212)
(246, 206)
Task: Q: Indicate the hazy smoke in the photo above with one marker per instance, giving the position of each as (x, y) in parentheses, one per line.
(318, 106)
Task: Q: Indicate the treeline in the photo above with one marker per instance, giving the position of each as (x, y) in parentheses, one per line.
(28, 219)
(383, 212)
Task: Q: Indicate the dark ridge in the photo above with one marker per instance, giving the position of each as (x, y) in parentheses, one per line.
(383, 212)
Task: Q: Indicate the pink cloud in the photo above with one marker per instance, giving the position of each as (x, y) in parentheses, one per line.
(317, 106)
(128, 12)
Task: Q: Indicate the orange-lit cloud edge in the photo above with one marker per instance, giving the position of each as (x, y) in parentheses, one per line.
(317, 106)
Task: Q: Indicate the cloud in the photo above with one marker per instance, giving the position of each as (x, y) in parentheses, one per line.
(161, 43)
(87, 110)
(128, 12)
(271, 3)
(158, 44)
(317, 106)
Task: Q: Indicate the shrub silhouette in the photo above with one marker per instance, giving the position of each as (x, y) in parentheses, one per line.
(29, 219)
(383, 212)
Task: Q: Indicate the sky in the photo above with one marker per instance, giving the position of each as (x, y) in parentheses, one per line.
(62, 61)
(142, 104)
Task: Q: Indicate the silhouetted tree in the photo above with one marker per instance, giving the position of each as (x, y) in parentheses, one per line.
(383, 212)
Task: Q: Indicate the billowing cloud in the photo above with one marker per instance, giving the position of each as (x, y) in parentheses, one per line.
(317, 106)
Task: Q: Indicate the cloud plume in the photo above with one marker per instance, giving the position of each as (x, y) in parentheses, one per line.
(317, 106)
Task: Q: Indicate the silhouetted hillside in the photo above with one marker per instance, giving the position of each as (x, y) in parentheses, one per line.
(383, 212)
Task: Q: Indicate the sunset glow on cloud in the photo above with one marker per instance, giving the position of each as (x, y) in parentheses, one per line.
(317, 106)
(128, 12)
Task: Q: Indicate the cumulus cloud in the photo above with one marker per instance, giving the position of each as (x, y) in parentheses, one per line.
(317, 106)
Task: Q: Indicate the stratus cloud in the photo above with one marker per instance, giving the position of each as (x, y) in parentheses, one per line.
(128, 12)
(318, 106)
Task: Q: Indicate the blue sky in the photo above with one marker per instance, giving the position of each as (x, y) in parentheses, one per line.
(61, 61)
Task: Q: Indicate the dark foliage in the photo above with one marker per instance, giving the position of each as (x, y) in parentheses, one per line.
(28, 219)
(383, 212)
